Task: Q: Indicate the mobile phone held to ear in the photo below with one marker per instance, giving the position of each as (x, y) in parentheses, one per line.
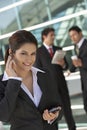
(55, 109)
(11, 54)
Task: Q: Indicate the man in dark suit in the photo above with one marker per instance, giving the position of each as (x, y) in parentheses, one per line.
(81, 43)
(43, 60)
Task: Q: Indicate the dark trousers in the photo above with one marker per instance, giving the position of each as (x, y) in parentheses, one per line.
(85, 99)
(65, 99)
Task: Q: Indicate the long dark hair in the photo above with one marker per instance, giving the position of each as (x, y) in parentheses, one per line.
(18, 39)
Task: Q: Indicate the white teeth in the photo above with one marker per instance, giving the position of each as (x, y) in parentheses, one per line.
(26, 64)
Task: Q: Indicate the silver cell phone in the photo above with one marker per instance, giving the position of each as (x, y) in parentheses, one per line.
(55, 109)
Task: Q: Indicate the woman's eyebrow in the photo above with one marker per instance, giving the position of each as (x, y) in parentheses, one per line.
(24, 50)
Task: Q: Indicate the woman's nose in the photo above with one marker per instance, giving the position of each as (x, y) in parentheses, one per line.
(29, 58)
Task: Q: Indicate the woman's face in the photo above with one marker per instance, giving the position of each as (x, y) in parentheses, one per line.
(25, 57)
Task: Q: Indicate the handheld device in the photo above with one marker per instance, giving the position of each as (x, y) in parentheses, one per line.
(55, 109)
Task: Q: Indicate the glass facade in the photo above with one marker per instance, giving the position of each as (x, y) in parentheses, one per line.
(29, 14)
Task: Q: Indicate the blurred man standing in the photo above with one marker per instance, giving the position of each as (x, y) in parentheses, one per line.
(80, 42)
(43, 60)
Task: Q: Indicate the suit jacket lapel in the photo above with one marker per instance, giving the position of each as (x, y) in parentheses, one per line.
(24, 96)
(4, 82)
(42, 86)
(54, 49)
(45, 51)
(81, 49)
(40, 79)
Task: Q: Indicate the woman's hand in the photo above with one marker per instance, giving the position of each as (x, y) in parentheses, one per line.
(9, 67)
(49, 116)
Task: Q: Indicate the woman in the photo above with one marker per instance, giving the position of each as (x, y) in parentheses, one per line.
(26, 94)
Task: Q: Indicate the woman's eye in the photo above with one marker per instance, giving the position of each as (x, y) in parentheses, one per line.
(23, 53)
(33, 54)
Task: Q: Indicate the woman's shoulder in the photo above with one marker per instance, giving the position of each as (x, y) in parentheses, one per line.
(2, 82)
(45, 76)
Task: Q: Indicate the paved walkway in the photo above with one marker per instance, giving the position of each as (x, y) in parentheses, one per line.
(79, 114)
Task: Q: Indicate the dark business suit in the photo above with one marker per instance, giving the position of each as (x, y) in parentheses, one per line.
(17, 108)
(43, 60)
(83, 70)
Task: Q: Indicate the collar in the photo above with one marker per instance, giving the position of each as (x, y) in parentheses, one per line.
(5, 76)
(47, 47)
(80, 43)
(33, 69)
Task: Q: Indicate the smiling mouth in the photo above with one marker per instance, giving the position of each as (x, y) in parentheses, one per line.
(27, 65)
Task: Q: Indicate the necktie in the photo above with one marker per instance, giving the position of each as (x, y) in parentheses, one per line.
(51, 52)
(77, 50)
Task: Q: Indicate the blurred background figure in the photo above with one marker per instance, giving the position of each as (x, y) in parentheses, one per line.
(43, 60)
(80, 62)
